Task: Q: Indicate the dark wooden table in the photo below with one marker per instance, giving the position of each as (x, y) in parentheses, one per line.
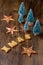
(14, 57)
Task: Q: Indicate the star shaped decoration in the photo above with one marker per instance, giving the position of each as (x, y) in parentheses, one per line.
(28, 51)
(7, 18)
(12, 30)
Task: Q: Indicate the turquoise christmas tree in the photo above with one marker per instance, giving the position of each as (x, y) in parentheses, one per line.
(37, 28)
(20, 19)
(22, 10)
(26, 27)
(30, 17)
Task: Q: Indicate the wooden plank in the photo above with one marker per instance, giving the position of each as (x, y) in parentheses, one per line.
(14, 57)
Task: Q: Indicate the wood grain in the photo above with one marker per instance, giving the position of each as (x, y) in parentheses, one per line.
(14, 57)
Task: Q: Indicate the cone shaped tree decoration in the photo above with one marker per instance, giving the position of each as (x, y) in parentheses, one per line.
(37, 28)
(20, 19)
(22, 10)
(26, 27)
(30, 18)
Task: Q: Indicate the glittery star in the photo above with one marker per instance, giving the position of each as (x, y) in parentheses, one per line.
(12, 30)
(7, 18)
(28, 51)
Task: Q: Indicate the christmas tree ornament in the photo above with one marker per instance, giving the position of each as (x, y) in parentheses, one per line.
(30, 18)
(22, 10)
(28, 51)
(20, 19)
(26, 27)
(7, 18)
(37, 28)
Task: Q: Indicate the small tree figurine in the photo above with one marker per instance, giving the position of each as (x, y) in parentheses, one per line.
(37, 28)
(22, 10)
(26, 27)
(30, 18)
(20, 19)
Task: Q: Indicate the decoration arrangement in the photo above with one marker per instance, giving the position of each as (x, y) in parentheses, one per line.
(13, 43)
(29, 22)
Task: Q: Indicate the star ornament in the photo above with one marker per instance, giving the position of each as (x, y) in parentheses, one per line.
(12, 30)
(7, 18)
(28, 51)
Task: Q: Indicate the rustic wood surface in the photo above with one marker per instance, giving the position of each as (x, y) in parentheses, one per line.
(14, 57)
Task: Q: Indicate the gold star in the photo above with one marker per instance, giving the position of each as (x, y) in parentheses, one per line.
(7, 18)
(12, 30)
(28, 51)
